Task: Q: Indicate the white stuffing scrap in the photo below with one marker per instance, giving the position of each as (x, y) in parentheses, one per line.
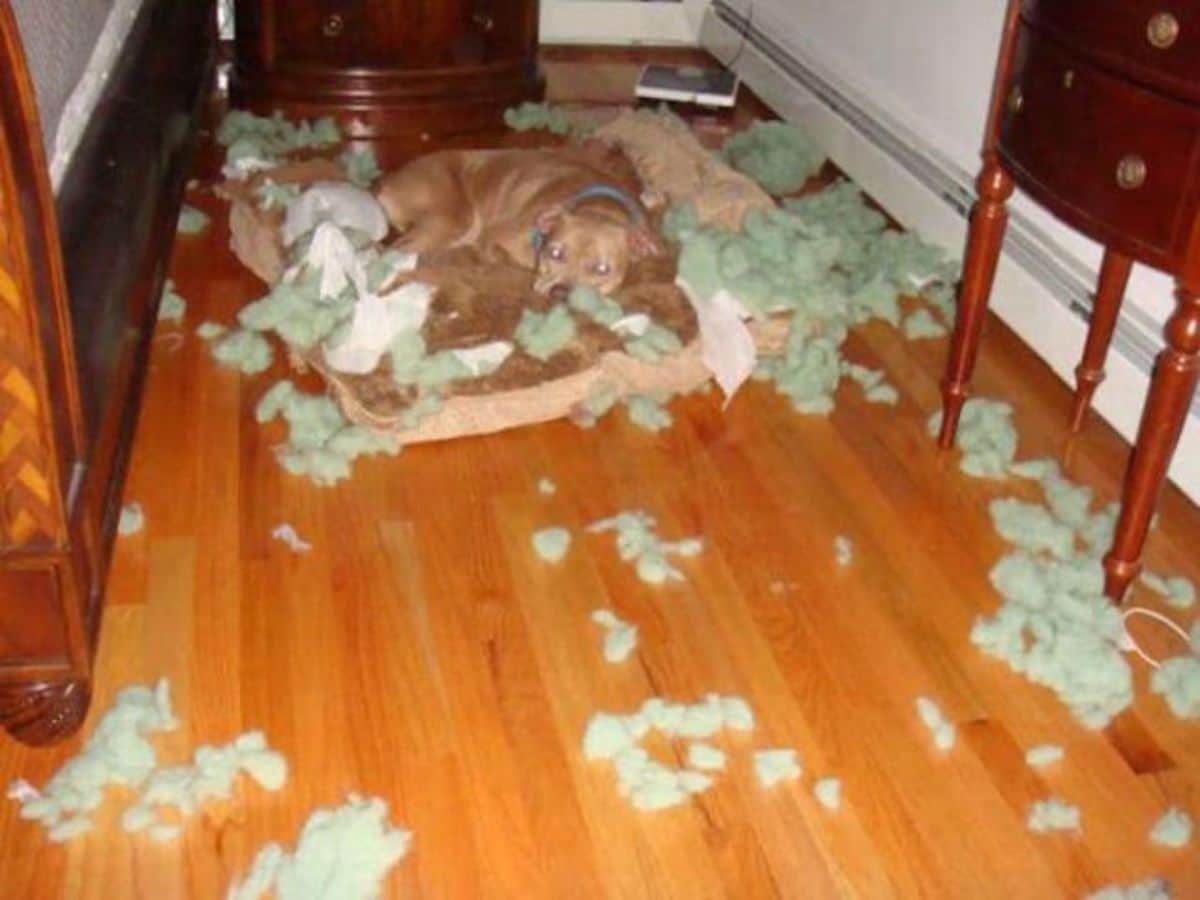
(1177, 590)
(620, 637)
(776, 765)
(286, 533)
(375, 324)
(1043, 755)
(22, 791)
(484, 359)
(343, 853)
(211, 774)
(828, 792)
(547, 487)
(1150, 889)
(344, 205)
(552, 543)
(1053, 814)
(1173, 829)
(650, 785)
(939, 726)
(117, 753)
(132, 519)
(638, 542)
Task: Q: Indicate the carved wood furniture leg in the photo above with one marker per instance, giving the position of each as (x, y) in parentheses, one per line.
(988, 220)
(1110, 291)
(44, 712)
(1170, 396)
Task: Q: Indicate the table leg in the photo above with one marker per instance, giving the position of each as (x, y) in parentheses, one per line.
(1110, 291)
(988, 220)
(1171, 391)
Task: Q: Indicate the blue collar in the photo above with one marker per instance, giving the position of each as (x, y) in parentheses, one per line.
(608, 191)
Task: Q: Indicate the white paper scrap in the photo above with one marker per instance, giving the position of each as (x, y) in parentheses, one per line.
(377, 321)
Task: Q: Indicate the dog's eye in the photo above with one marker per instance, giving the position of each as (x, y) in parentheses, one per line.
(556, 251)
(601, 268)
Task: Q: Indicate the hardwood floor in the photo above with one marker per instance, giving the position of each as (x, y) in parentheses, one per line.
(423, 653)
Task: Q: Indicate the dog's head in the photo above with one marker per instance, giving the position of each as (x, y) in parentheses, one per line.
(584, 247)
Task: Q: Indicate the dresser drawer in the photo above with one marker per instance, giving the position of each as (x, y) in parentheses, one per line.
(1156, 42)
(1114, 160)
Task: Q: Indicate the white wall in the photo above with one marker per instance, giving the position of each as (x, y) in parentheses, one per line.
(620, 22)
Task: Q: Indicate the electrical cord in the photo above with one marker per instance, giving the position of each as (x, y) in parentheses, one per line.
(743, 31)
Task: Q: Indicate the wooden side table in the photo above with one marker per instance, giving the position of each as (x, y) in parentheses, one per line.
(1095, 113)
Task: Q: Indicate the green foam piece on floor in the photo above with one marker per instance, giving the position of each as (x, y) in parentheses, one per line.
(537, 116)
(1173, 829)
(596, 306)
(244, 350)
(647, 413)
(778, 155)
(986, 437)
(1032, 526)
(1150, 889)
(321, 444)
(776, 765)
(132, 519)
(598, 402)
(1177, 681)
(1053, 814)
(360, 166)
(191, 220)
(828, 792)
(921, 324)
(552, 543)
(1043, 755)
(638, 543)
(172, 307)
(1178, 591)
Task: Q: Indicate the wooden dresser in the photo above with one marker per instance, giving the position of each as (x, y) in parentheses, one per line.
(81, 273)
(1095, 113)
(388, 66)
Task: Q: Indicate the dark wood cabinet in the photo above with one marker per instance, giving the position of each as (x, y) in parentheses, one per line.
(80, 277)
(388, 66)
(1095, 113)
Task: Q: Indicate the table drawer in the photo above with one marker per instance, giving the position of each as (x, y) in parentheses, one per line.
(1154, 41)
(1112, 159)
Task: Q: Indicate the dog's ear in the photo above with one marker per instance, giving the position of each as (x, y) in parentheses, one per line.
(548, 218)
(642, 243)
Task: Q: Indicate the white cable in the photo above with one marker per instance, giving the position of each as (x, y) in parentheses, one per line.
(1128, 644)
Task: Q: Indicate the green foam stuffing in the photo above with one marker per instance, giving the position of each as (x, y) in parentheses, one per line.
(276, 135)
(1173, 829)
(321, 444)
(1043, 755)
(171, 307)
(828, 792)
(542, 335)
(294, 310)
(590, 302)
(1031, 526)
(551, 544)
(986, 436)
(598, 402)
(191, 220)
(360, 166)
(647, 412)
(942, 729)
(638, 543)
(1177, 681)
(276, 196)
(537, 116)
(653, 344)
(777, 155)
(1053, 814)
(921, 324)
(1177, 590)
(1150, 889)
(244, 350)
(132, 519)
(210, 330)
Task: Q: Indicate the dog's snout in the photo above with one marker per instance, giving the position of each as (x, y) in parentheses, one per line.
(559, 292)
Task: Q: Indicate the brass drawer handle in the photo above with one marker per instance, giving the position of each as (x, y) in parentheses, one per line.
(333, 25)
(1016, 99)
(1162, 30)
(1131, 172)
(484, 21)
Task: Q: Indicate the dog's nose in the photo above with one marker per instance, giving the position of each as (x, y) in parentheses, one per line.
(559, 292)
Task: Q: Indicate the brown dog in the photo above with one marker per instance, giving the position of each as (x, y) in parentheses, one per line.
(552, 212)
